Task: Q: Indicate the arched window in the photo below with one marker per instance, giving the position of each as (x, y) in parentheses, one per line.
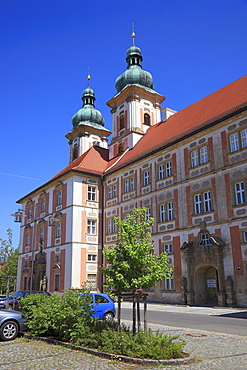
(121, 125)
(75, 152)
(147, 120)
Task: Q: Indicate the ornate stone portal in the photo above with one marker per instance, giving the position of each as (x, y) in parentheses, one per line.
(205, 280)
(39, 271)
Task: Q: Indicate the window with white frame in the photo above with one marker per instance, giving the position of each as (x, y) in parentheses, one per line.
(166, 212)
(238, 140)
(114, 226)
(194, 158)
(146, 178)
(126, 185)
(239, 193)
(202, 202)
(110, 192)
(205, 240)
(42, 205)
(168, 169)
(148, 213)
(132, 184)
(114, 191)
(169, 284)
(91, 227)
(29, 212)
(108, 226)
(243, 135)
(41, 234)
(161, 172)
(58, 229)
(91, 193)
(203, 155)
(167, 248)
(245, 236)
(59, 197)
(28, 238)
(92, 257)
(199, 156)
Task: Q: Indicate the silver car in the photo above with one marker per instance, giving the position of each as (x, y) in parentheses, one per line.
(11, 324)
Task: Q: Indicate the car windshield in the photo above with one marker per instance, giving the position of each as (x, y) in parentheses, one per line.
(17, 294)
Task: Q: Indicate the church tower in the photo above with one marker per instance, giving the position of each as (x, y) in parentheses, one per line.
(136, 105)
(88, 126)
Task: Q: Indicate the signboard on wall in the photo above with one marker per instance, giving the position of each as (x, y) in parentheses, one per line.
(211, 283)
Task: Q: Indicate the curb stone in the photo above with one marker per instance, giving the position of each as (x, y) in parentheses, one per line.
(110, 356)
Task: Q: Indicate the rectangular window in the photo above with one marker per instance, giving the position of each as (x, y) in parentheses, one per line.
(148, 213)
(161, 172)
(170, 211)
(91, 227)
(29, 212)
(146, 178)
(244, 138)
(126, 186)
(56, 282)
(42, 205)
(234, 143)
(132, 184)
(58, 230)
(92, 281)
(167, 248)
(91, 257)
(203, 155)
(168, 169)
(114, 191)
(239, 193)
(110, 192)
(28, 239)
(169, 284)
(205, 240)
(162, 213)
(245, 236)
(108, 226)
(59, 197)
(114, 226)
(194, 159)
(25, 283)
(41, 234)
(91, 193)
(197, 204)
(207, 201)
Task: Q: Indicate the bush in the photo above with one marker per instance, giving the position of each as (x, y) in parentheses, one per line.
(55, 315)
(69, 319)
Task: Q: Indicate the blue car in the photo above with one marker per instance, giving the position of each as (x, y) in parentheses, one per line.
(103, 306)
(11, 324)
(15, 298)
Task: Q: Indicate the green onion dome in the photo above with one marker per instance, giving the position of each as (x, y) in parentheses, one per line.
(88, 113)
(134, 73)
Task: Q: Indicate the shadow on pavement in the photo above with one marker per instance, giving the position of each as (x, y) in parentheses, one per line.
(236, 315)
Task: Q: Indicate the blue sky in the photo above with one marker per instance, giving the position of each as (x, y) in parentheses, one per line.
(191, 47)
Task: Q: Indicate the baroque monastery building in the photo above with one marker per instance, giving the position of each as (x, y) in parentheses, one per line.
(189, 170)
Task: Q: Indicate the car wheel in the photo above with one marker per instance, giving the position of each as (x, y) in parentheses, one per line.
(9, 330)
(108, 316)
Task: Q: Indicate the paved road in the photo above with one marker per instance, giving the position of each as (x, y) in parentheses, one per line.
(213, 351)
(222, 320)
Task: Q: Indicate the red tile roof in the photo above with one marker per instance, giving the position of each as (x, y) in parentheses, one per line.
(199, 115)
(94, 161)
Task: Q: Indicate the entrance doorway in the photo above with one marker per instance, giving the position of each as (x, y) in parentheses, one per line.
(206, 286)
(211, 276)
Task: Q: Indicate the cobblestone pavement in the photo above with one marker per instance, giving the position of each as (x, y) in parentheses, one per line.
(213, 351)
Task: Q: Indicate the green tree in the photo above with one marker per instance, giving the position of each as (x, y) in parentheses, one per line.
(132, 263)
(8, 261)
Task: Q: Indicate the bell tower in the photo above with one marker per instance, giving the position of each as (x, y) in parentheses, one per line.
(136, 105)
(88, 126)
